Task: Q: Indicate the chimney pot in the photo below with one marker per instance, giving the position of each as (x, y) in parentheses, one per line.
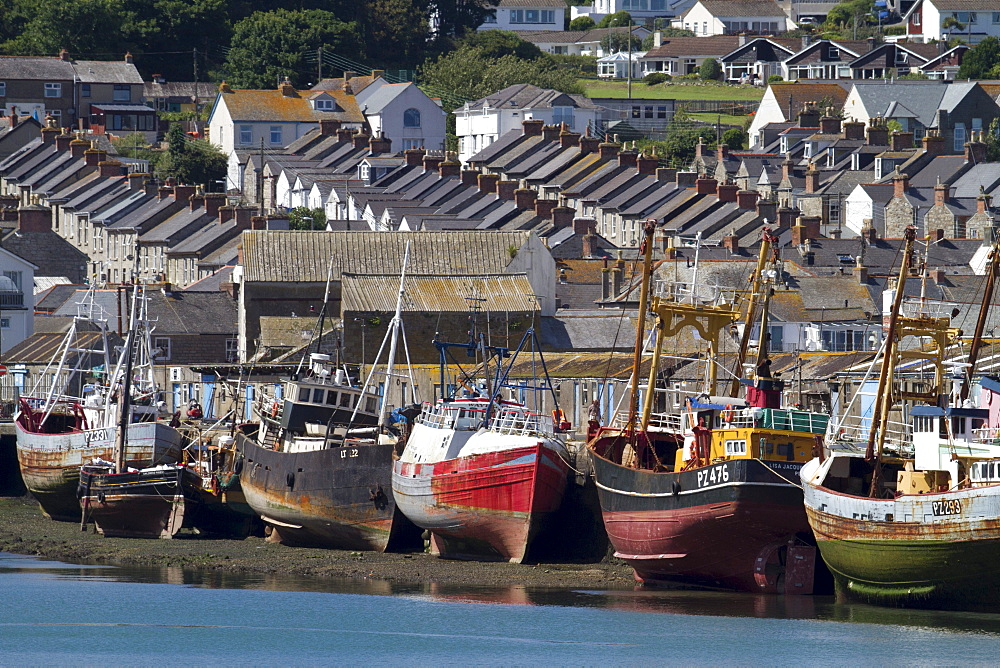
(607, 150)
(550, 132)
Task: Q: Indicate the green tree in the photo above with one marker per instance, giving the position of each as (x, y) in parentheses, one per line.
(618, 41)
(978, 61)
(615, 20)
(499, 43)
(304, 218)
(191, 161)
(582, 23)
(268, 46)
(134, 145)
(83, 27)
(710, 70)
(734, 138)
(457, 17)
(396, 30)
(992, 141)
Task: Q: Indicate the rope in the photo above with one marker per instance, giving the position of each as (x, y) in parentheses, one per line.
(790, 482)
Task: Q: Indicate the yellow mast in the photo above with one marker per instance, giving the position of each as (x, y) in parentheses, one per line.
(647, 264)
(765, 244)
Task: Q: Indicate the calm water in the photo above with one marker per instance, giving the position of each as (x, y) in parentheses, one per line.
(60, 614)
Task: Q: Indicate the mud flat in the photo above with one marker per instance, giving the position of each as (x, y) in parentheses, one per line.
(24, 530)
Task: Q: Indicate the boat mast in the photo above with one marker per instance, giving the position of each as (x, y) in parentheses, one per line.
(126, 387)
(977, 337)
(640, 329)
(880, 416)
(755, 292)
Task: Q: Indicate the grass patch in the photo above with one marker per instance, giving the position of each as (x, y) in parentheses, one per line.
(671, 91)
(725, 119)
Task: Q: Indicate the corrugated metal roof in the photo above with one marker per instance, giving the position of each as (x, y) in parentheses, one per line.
(273, 256)
(502, 292)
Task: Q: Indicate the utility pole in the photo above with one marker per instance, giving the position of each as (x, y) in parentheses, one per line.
(629, 66)
(260, 181)
(194, 60)
(319, 59)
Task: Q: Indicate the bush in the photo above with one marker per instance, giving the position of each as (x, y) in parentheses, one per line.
(734, 138)
(654, 78)
(775, 77)
(710, 70)
(894, 30)
(582, 23)
(585, 66)
(615, 20)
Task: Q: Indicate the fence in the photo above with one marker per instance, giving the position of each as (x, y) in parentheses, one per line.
(728, 107)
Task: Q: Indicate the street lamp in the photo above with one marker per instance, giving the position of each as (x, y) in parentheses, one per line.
(309, 218)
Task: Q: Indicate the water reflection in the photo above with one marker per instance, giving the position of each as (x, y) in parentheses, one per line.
(655, 601)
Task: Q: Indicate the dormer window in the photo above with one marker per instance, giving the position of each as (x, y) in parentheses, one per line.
(784, 144)
(901, 57)
(834, 53)
(323, 104)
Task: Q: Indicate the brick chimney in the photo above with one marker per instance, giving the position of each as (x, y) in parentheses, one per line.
(666, 174)
(628, 159)
(183, 193)
(13, 119)
(900, 141)
(532, 127)
(344, 134)
(286, 88)
(767, 208)
(787, 167)
(860, 272)
(746, 199)
(197, 200)
(524, 199)
(431, 162)
(584, 225)
(256, 223)
(854, 130)
(137, 180)
(505, 189)
(809, 116)
(562, 216)
(587, 245)
(361, 139)
(829, 125)
(226, 213)
(349, 74)
(128, 57)
(647, 164)
(488, 182)
(786, 217)
(78, 147)
(569, 139)
(328, 126)
(933, 144)
(983, 203)
(379, 144)
(163, 192)
(49, 134)
(937, 275)
(470, 177)
(588, 144)
(726, 192)
(721, 152)
(705, 186)
(878, 134)
(811, 226)
(731, 243)
(93, 156)
(414, 157)
(213, 202)
(941, 192)
(607, 150)
(64, 55)
(975, 151)
(109, 168)
(551, 132)
(812, 178)
(62, 140)
(868, 231)
(900, 184)
(544, 207)
(378, 73)
(243, 215)
(34, 218)
(449, 167)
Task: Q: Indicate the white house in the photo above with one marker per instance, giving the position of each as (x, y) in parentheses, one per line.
(577, 42)
(640, 10)
(17, 301)
(925, 20)
(732, 17)
(403, 113)
(478, 124)
(249, 119)
(526, 15)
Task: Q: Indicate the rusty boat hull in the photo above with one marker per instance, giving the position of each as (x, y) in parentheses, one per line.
(339, 497)
(50, 463)
(932, 550)
(487, 506)
(148, 503)
(737, 525)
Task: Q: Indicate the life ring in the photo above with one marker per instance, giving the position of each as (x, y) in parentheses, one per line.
(238, 466)
(675, 487)
(275, 407)
(728, 413)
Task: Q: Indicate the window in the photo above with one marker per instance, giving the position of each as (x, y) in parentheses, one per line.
(736, 447)
(318, 395)
(161, 348)
(704, 27)
(996, 17)
(414, 143)
(411, 118)
(563, 115)
(53, 90)
(232, 350)
(4, 323)
(85, 90)
(246, 134)
(973, 18)
(916, 18)
(123, 93)
(15, 277)
(324, 104)
(491, 17)
(3, 88)
(275, 134)
(834, 53)
(661, 112)
(959, 144)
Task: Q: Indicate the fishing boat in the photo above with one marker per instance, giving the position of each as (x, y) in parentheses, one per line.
(483, 473)
(76, 420)
(906, 512)
(316, 465)
(708, 495)
(151, 501)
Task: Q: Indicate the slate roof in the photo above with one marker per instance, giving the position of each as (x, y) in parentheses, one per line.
(271, 105)
(179, 89)
(183, 312)
(527, 96)
(685, 47)
(53, 255)
(742, 8)
(49, 68)
(305, 256)
(923, 98)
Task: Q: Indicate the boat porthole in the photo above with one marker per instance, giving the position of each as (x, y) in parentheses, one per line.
(675, 487)
(290, 479)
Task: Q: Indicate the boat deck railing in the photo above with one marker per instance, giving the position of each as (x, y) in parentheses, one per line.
(926, 308)
(451, 416)
(522, 423)
(853, 435)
